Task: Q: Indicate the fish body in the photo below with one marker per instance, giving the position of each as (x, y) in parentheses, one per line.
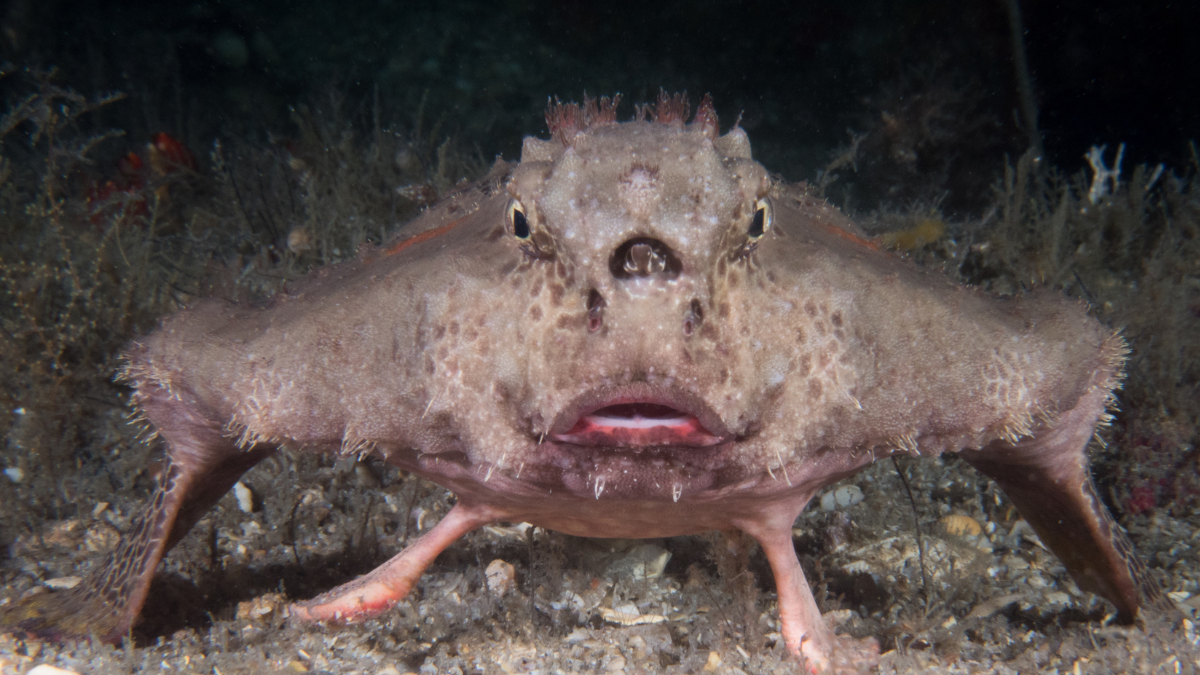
(634, 331)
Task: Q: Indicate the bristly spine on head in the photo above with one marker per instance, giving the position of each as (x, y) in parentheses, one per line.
(673, 110)
(566, 120)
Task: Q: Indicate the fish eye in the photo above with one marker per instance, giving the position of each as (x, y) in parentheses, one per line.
(517, 220)
(761, 222)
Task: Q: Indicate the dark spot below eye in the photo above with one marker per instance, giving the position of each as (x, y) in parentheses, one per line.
(535, 313)
(595, 310)
(692, 317)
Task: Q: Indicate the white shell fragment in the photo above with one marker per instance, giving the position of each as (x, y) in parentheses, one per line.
(261, 607)
(636, 560)
(46, 669)
(245, 498)
(960, 525)
(840, 498)
(628, 615)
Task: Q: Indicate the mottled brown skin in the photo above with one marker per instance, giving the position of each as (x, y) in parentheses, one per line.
(642, 263)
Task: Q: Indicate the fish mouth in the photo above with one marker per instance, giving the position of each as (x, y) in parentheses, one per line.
(639, 416)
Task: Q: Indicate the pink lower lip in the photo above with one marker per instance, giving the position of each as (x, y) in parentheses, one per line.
(633, 425)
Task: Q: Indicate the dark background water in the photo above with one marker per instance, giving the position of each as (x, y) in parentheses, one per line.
(802, 75)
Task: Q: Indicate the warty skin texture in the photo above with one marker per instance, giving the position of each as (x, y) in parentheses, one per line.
(627, 267)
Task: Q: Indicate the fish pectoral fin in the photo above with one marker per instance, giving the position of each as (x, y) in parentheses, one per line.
(105, 604)
(202, 465)
(1046, 476)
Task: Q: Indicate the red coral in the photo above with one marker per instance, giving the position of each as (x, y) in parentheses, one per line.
(1141, 499)
(123, 196)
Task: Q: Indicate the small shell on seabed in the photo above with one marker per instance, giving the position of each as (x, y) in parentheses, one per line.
(501, 576)
(629, 615)
(245, 498)
(46, 669)
(299, 240)
(639, 561)
(260, 607)
(840, 498)
(960, 525)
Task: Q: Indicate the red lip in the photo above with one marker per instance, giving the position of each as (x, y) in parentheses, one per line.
(637, 416)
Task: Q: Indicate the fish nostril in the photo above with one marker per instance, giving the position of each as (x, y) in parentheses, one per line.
(644, 257)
